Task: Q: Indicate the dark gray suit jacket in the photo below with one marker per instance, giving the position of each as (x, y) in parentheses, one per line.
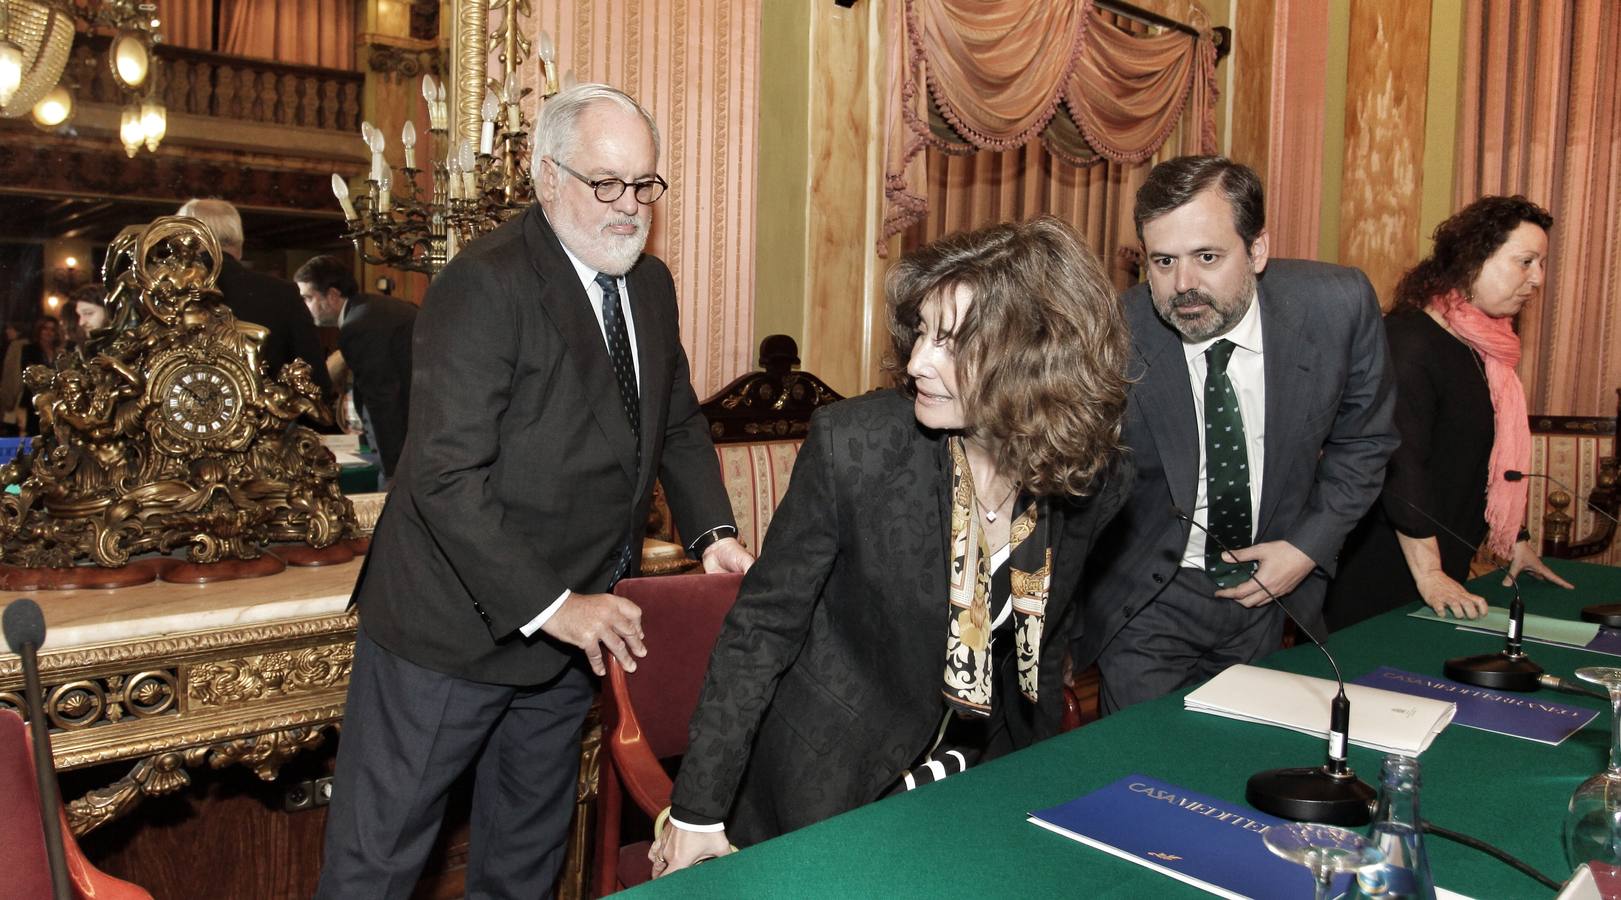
(375, 338)
(519, 477)
(825, 682)
(1330, 397)
(269, 301)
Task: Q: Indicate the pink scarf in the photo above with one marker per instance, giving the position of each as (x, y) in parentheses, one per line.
(1496, 342)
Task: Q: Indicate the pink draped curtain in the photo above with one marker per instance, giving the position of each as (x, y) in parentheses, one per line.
(1541, 108)
(189, 23)
(997, 72)
(301, 32)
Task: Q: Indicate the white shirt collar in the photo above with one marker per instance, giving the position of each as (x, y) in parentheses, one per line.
(1246, 334)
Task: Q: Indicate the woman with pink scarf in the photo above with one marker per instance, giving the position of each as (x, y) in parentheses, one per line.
(1461, 412)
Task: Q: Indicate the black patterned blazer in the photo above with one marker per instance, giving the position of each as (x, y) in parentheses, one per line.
(825, 682)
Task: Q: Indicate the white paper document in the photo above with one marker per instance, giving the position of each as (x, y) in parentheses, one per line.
(1380, 720)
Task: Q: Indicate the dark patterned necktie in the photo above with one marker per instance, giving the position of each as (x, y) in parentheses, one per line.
(1227, 474)
(613, 323)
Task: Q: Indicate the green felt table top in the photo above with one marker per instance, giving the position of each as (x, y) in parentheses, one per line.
(969, 833)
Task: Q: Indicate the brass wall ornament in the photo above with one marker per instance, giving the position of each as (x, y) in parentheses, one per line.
(164, 431)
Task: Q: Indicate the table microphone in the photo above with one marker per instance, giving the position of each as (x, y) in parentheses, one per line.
(1602, 613)
(24, 626)
(1509, 669)
(1330, 793)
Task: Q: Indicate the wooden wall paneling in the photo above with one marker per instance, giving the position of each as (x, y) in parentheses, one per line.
(1384, 139)
(837, 344)
(1249, 128)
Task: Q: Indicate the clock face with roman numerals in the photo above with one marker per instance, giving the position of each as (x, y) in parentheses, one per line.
(199, 401)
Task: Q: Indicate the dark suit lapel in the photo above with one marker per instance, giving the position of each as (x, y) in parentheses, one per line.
(653, 381)
(566, 303)
(1164, 397)
(1289, 351)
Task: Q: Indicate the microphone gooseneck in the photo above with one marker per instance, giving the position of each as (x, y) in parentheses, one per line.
(24, 625)
(1510, 669)
(1330, 793)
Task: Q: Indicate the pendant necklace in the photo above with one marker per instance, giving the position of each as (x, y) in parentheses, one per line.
(990, 514)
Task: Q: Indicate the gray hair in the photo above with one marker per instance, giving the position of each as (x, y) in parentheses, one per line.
(556, 130)
(221, 218)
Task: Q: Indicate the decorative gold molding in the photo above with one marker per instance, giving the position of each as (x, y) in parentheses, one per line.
(403, 62)
(263, 753)
(281, 673)
(180, 647)
(165, 773)
(126, 747)
(151, 777)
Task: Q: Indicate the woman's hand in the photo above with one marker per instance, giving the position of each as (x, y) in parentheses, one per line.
(678, 848)
(1446, 596)
(1526, 560)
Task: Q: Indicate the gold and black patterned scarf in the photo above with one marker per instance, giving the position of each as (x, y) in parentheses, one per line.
(969, 672)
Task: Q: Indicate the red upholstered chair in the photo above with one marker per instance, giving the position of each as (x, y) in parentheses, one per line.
(23, 864)
(645, 713)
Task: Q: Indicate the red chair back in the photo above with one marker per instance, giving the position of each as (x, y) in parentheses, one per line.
(22, 840)
(681, 617)
(24, 867)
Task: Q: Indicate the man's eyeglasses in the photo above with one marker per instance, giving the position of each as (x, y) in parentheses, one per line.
(647, 191)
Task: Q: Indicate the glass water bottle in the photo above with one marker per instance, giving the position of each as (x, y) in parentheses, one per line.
(1402, 868)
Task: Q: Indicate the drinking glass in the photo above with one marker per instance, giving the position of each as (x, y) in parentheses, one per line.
(1325, 851)
(1593, 820)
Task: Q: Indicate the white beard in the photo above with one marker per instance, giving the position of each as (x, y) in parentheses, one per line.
(600, 249)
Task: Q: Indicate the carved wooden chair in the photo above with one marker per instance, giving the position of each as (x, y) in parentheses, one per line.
(645, 714)
(23, 863)
(1559, 520)
(757, 423)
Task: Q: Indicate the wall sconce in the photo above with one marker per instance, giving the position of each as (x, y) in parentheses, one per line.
(130, 58)
(130, 132)
(154, 122)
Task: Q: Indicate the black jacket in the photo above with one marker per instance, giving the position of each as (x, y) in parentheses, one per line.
(825, 682)
(519, 478)
(269, 301)
(375, 338)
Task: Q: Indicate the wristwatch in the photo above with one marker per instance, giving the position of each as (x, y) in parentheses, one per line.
(718, 533)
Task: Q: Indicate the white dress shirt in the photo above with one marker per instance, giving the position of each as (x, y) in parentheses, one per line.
(1246, 369)
(593, 291)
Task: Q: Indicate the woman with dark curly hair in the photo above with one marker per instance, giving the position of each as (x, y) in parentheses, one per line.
(1460, 409)
(915, 590)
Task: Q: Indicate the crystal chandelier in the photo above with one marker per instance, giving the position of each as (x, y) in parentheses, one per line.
(477, 167)
(36, 39)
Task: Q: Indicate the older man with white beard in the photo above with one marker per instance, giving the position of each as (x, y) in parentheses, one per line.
(550, 390)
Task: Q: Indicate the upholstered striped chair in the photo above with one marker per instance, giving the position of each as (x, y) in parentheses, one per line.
(757, 423)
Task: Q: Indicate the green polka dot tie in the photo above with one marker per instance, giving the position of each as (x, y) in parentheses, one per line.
(1227, 472)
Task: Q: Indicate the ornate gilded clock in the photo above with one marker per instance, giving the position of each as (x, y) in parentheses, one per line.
(165, 431)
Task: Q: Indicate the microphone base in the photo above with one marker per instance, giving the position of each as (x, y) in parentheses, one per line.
(1498, 671)
(1311, 795)
(1607, 614)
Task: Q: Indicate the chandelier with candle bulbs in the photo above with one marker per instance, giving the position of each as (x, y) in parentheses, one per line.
(476, 172)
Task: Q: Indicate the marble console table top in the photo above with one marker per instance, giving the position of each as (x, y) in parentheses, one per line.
(83, 618)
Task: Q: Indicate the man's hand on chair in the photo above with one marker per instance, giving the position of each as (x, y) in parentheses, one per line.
(594, 621)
